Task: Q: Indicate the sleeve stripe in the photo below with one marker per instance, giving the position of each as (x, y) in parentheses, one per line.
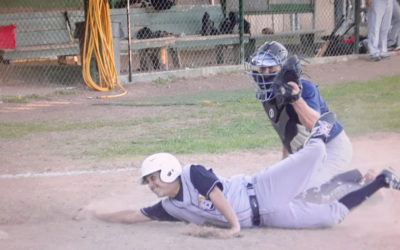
(213, 185)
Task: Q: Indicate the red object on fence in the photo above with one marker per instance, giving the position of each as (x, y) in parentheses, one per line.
(7, 36)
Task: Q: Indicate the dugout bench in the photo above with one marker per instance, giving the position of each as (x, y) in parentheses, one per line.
(294, 36)
(184, 23)
(46, 35)
(41, 35)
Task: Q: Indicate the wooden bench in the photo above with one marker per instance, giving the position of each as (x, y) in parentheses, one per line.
(302, 38)
(45, 34)
(185, 23)
(41, 35)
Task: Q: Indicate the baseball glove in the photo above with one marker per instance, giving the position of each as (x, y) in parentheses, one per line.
(290, 72)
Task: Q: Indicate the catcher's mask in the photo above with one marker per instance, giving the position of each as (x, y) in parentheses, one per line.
(169, 167)
(270, 54)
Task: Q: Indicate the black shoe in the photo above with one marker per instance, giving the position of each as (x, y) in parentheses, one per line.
(393, 47)
(391, 180)
(384, 56)
(323, 126)
(374, 58)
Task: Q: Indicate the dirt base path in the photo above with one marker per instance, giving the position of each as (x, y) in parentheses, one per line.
(44, 211)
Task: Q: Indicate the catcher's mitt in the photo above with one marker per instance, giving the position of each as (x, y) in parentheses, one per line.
(290, 72)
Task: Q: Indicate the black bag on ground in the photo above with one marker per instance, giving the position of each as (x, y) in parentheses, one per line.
(149, 53)
(162, 4)
(246, 27)
(229, 23)
(227, 26)
(207, 27)
(144, 33)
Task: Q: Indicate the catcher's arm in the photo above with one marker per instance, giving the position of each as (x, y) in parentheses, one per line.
(220, 202)
(307, 115)
(287, 89)
(125, 216)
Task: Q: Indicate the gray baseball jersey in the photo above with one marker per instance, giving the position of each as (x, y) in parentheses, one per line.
(276, 188)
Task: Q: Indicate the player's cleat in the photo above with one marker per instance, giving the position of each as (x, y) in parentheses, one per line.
(374, 58)
(384, 56)
(323, 126)
(391, 180)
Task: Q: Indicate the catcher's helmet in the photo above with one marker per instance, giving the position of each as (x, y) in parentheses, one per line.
(268, 55)
(167, 164)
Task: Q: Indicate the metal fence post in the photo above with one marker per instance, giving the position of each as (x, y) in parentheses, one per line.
(116, 36)
(357, 11)
(241, 31)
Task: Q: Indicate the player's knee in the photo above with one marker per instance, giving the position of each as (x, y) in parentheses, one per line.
(338, 213)
(317, 147)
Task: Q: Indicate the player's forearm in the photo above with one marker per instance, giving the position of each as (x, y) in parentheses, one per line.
(220, 202)
(307, 115)
(126, 216)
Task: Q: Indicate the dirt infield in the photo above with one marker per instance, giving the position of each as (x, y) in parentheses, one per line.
(43, 196)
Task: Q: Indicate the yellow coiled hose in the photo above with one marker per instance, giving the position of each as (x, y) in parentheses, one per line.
(98, 40)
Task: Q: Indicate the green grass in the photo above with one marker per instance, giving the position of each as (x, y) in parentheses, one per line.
(217, 121)
(36, 97)
(23, 98)
(365, 107)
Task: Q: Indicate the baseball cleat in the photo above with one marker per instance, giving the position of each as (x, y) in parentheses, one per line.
(323, 126)
(391, 180)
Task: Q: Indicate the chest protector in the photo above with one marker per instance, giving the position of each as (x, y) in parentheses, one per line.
(286, 123)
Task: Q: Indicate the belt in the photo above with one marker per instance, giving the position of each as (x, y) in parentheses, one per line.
(253, 204)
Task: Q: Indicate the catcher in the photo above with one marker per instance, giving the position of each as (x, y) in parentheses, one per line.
(267, 198)
(292, 104)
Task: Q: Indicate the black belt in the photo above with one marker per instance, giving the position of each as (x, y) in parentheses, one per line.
(253, 204)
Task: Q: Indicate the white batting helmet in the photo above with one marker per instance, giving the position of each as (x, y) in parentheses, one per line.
(166, 163)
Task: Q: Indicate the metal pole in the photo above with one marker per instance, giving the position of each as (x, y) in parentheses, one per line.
(129, 41)
(85, 7)
(357, 11)
(241, 31)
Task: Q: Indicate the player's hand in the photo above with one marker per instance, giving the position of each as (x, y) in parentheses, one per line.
(284, 81)
(296, 89)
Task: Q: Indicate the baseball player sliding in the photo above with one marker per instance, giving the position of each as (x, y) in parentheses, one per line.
(267, 198)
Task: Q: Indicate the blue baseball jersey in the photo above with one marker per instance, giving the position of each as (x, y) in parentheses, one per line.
(311, 96)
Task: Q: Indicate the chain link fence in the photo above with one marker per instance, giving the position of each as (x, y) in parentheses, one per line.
(41, 41)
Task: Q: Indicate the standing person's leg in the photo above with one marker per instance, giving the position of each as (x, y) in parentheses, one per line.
(394, 33)
(385, 26)
(375, 14)
(398, 23)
